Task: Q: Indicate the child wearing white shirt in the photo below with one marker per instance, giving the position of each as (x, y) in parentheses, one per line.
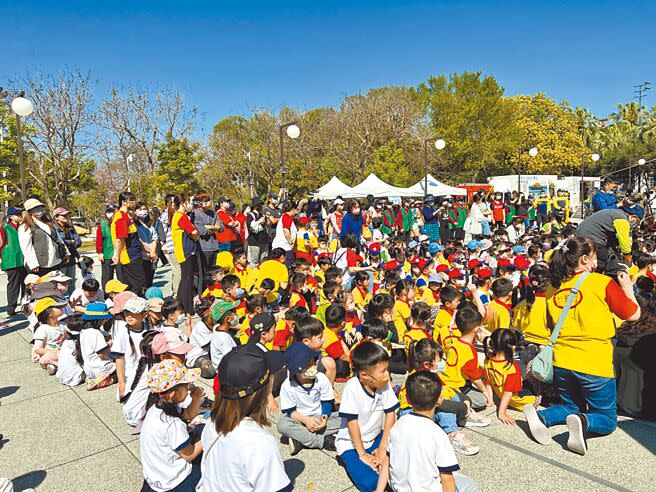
(306, 399)
(225, 316)
(420, 453)
(69, 371)
(89, 292)
(49, 334)
(99, 367)
(368, 414)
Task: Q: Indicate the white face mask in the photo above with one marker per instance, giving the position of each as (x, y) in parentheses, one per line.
(186, 402)
(109, 215)
(142, 214)
(234, 322)
(181, 319)
(441, 365)
(310, 373)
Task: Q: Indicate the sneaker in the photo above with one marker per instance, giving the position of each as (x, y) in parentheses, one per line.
(52, 369)
(576, 425)
(463, 444)
(539, 431)
(477, 420)
(294, 446)
(329, 443)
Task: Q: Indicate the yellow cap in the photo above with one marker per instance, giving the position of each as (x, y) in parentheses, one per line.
(115, 286)
(43, 304)
(225, 261)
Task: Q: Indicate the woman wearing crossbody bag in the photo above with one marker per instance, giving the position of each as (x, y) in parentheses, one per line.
(583, 351)
(43, 249)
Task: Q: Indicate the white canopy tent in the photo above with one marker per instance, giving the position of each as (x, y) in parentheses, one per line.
(332, 189)
(373, 185)
(435, 188)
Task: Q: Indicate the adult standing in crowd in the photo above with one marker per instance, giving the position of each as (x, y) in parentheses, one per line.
(333, 227)
(148, 239)
(583, 372)
(66, 230)
(105, 246)
(43, 249)
(227, 236)
(258, 238)
(165, 238)
(208, 225)
(431, 221)
(185, 237)
(605, 198)
(286, 232)
(352, 221)
(272, 213)
(127, 245)
(475, 219)
(13, 263)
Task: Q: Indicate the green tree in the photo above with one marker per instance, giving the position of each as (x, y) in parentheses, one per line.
(177, 164)
(388, 163)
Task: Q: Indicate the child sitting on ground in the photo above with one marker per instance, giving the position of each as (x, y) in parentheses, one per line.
(333, 345)
(306, 399)
(89, 292)
(97, 362)
(49, 334)
(420, 314)
(443, 326)
(201, 336)
(420, 456)
(69, 370)
(368, 414)
(503, 375)
(499, 310)
(284, 334)
(173, 319)
(225, 318)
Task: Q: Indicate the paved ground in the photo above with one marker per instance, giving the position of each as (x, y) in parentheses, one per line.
(62, 439)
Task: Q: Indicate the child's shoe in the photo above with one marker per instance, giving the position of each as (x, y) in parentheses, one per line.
(477, 420)
(329, 443)
(463, 444)
(52, 369)
(294, 447)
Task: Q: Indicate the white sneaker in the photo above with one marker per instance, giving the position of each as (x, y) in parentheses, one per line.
(539, 431)
(477, 420)
(52, 369)
(463, 444)
(576, 425)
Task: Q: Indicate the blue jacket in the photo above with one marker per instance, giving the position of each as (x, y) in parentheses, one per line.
(602, 201)
(351, 224)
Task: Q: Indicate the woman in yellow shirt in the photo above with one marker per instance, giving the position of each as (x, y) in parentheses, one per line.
(583, 353)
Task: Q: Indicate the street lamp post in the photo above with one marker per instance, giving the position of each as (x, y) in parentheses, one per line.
(595, 157)
(439, 145)
(293, 131)
(128, 161)
(21, 107)
(533, 151)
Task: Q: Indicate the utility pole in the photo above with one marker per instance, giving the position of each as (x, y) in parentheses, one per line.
(641, 91)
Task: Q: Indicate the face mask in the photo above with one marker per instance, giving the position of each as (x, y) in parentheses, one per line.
(186, 402)
(109, 215)
(234, 322)
(310, 373)
(239, 292)
(39, 212)
(356, 211)
(142, 214)
(593, 266)
(304, 289)
(181, 319)
(441, 365)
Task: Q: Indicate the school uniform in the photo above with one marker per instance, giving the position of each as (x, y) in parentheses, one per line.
(221, 342)
(69, 372)
(414, 334)
(53, 337)
(78, 298)
(532, 320)
(201, 337)
(126, 343)
(314, 400)
(506, 377)
(497, 315)
(92, 342)
(162, 437)
(461, 368)
(444, 328)
(246, 459)
(369, 410)
(401, 314)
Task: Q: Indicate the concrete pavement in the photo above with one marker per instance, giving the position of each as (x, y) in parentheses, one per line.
(62, 439)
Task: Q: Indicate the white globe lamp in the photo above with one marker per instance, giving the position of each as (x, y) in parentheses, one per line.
(595, 157)
(293, 131)
(641, 162)
(22, 107)
(440, 144)
(533, 151)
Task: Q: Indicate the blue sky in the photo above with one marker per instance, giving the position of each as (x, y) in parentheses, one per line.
(231, 57)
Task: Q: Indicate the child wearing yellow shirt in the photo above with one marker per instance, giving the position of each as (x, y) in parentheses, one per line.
(498, 312)
(361, 295)
(443, 329)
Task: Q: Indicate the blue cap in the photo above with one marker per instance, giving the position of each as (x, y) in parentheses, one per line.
(96, 310)
(154, 292)
(635, 210)
(518, 249)
(435, 278)
(413, 244)
(297, 356)
(473, 244)
(14, 211)
(434, 248)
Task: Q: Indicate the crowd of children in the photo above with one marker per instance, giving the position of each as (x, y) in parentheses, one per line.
(423, 335)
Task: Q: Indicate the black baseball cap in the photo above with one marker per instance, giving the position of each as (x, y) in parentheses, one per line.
(262, 322)
(247, 368)
(297, 356)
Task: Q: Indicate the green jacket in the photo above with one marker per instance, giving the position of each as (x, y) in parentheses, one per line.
(107, 244)
(12, 256)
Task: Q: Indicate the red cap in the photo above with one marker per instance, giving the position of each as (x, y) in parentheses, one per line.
(374, 248)
(455, 273)
(423, 263)
(505, 263)
(303, 220)
(391, 265)
(473, 263)
(442, 268)
(453, 258)
(324, 255)
(484, 273)
(522, 262)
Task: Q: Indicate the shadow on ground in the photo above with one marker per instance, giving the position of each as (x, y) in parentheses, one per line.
(29, 480)
(643, 433)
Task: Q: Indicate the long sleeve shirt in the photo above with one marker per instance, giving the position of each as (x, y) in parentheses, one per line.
(603, 201)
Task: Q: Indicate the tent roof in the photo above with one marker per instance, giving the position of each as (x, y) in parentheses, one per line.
(332, 189)
(436, 188)
(373, 185)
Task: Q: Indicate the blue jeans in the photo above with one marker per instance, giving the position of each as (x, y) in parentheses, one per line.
(593, 396)
(223, 247)
(363, 476)
(447, 421)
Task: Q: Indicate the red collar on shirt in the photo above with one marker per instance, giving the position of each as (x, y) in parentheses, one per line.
(362, 291)
(507, 306)
(540, 295)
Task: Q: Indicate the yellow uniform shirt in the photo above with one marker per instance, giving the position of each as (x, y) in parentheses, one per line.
(506, 377)
(446, 392)
(243, 273)
(497, 315)
(413, 335)
(244, 333)
(429, 297)
(444, 327)
(532, 321)
(274, 270)
(361, 298)
(461, 364)
(584, 344)
(401, 316)
(303, 240)
(332, 344)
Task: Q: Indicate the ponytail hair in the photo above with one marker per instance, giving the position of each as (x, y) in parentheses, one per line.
(565, 258)
(424, 350)
(147, 360)
(539, 278)
(502, 340)
(403, 285)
